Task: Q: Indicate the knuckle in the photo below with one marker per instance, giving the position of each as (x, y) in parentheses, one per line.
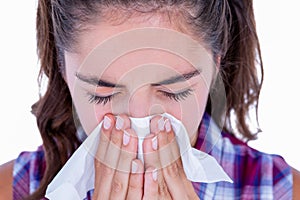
(126, 157)
(179, 164)
(104, 138)
(172, 170)
(115, 139)
(99, 157)
(134, 185)
(107, 171)
(124, 164)
(163, 190)
(97, 164)
(117, 185)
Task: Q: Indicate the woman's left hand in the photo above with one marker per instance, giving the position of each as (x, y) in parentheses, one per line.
(165, 177)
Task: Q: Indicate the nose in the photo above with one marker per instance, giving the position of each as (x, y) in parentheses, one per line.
(142, 103)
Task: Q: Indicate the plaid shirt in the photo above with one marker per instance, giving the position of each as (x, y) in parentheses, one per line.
(256, 175)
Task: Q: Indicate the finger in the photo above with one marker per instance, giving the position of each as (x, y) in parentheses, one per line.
(136, 179)
(105, 133)
(103, 179)
(187, 184)
(122, 122)
(178, 185)
(163, 191)
(151, 184)
(165, 151)
(128, 150)
(100, 168)
(111, 158)
(173, 144)
(165, 157)
(116, 141)
(122, 173)
(156, 124)
(150, 145)
(173, 182)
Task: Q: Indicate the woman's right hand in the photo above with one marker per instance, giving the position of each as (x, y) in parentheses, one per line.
(118, 174)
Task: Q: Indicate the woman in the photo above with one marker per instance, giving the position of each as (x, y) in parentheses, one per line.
(87, 50)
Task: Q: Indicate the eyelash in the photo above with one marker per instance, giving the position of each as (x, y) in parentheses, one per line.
(98, 99)
(104, 100)
(179, 96)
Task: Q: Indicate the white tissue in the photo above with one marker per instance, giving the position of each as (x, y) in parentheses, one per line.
(76, 178)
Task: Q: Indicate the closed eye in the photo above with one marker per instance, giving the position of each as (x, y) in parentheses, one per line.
(96, 99)
(177, 96)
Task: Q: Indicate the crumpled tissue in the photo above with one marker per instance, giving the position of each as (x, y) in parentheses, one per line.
(76, 178)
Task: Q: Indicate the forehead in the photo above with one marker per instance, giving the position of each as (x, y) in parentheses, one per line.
(104, 29)
(98, 33)
(117, 49)
(155, 59)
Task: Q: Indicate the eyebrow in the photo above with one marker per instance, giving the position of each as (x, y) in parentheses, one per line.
(97, 82)
(179, 78)
(101, 83)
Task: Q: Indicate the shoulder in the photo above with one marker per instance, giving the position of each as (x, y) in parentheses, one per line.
(260, 167)
(296, 184)
(252, 158)
(6, 180)
(29, 165)
(23, 175)
(28, 172)
(29, 159)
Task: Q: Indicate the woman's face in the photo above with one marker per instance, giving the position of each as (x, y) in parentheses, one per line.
(140, 68)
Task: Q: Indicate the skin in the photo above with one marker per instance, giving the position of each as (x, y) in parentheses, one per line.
(6, 180)
(122, 176)
(115, 163)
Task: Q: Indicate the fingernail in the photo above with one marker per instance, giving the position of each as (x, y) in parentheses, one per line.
(119, 123)
(167, 125)
(126, 138)
(154, 143)
(106, 123)
(161, 124)
(134, 167)
(154, 175)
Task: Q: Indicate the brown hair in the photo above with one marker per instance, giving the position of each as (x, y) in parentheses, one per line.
(227, 27)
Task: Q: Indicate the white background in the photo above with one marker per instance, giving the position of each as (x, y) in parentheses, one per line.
(279, 105)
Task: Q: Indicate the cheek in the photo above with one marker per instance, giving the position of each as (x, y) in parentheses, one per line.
(190, 111)
(88, 113)
(194, 111)
(85, 112)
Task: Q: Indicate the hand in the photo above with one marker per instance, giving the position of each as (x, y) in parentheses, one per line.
(161, 151)
(118, 174)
